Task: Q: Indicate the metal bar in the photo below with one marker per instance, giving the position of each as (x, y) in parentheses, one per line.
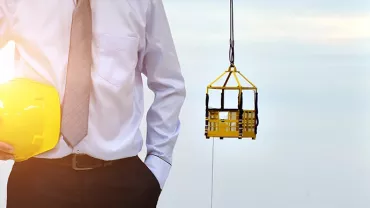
(219, 77)
(247, 80)
(237, 80)
(207, 115)
(233, 88)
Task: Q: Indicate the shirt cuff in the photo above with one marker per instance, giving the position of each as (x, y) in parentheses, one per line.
(159, 168)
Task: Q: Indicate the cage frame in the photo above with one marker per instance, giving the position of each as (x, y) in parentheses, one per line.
(242, 114)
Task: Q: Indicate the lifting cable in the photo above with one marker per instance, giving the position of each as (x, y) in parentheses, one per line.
(231, 59)
(213, 157)
(232, 42)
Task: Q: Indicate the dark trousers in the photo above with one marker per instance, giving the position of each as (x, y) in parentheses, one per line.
(37, 183)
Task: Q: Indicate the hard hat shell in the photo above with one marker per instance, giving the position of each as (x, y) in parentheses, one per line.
(29, 117)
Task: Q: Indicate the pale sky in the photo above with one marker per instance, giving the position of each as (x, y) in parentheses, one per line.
(310, 62)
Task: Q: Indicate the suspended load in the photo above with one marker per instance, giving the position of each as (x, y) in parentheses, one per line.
(238, 122)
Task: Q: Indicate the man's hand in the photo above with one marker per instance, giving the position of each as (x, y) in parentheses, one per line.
(6, 151)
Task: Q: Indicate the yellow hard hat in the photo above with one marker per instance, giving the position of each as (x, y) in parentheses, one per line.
(29, 117)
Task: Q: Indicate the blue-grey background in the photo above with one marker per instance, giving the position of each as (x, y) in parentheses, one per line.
(310, 62)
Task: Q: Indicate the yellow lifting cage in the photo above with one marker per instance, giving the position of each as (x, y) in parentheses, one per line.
(239, 123)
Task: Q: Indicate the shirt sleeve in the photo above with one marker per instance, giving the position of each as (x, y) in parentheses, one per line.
(164, 78)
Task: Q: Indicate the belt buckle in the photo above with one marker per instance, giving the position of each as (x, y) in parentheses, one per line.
(74, 164)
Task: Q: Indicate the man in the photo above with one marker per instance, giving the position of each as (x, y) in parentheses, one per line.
(95, 163)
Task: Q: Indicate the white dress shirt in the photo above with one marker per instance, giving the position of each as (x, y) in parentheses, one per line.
(131, 38)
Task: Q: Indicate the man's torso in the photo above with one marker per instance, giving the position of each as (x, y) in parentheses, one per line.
(41, 31)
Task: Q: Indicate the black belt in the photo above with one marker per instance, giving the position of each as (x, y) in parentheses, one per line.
(81, 162)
